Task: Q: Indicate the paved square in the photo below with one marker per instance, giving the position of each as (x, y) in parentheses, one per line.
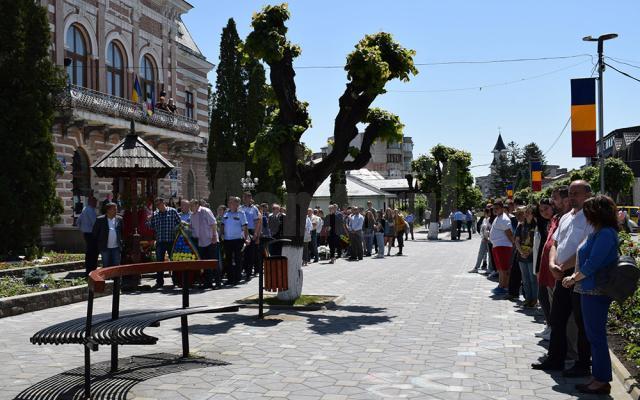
(416, 326)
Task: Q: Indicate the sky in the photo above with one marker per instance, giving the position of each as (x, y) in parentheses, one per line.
(526, 101)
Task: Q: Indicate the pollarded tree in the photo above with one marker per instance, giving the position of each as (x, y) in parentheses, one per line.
(376, 60)
(444, 178)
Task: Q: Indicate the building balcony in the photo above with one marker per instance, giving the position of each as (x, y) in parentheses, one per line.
(79, 103)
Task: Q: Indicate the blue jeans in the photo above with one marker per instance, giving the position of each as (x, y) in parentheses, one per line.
(594, 314)
(110, 257)
(529, 280)
(482, 253)
(380, 241)
(368, 241)
(162, 248)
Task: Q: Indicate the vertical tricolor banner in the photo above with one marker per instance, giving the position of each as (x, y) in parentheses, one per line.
(536, 176)
(583, 117)
(510, 191)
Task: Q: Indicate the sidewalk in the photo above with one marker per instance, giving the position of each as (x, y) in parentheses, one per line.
(417, 326)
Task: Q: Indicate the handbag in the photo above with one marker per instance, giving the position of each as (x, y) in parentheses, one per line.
(619, 280)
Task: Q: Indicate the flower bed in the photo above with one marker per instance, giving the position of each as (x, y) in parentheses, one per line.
(11, 286)
(624, 320)
(48, 258)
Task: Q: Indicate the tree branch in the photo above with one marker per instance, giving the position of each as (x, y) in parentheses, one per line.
(363, 157)
(282, 77)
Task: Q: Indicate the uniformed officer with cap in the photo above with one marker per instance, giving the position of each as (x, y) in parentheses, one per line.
(254, 225)
(235, 235)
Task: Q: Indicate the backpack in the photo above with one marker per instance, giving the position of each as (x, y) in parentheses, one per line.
(621, 280)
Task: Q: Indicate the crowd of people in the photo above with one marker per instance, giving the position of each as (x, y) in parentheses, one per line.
(240, 233)
(554, 252)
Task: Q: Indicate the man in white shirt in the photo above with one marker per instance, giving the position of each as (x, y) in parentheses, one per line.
(205, 230)
(501, 237)
(573, 228)
(355, 232)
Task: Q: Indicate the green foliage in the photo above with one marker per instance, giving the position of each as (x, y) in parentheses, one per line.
(388, 124)
(268, 40)
(378, 59)
(514, 167)
(624, 319)
(445, 179)
(29, 82)
(618, 177)
(33, 276)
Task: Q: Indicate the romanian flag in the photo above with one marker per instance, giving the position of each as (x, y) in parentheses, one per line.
(536, 176)
(136, 95)
(583, 117)
(510, 191)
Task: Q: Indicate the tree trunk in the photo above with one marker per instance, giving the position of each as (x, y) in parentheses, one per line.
(434, 229)
(294, 271)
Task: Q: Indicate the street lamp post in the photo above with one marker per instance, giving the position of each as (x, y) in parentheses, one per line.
(248, 183)
(600, 39)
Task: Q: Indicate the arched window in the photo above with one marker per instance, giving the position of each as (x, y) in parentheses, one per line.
(115, 70)
(191, 185)
(76, 52)
(148, 79)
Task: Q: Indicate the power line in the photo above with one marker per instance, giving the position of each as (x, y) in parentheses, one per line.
(622, 72)
(559, 136)
(466, 62)
(454, 62)
(625, 61)
(480, 87)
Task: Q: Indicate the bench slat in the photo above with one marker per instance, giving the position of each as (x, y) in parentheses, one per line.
(128, 329)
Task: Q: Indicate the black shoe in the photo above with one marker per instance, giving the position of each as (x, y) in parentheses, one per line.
(548, 366)
(602, 390)
(577, 371)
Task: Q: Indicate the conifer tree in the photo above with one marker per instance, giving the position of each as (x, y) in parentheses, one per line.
(227, 115)
(29, 82)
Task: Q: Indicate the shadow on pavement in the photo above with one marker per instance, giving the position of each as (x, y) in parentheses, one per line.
(321, 323)
(116, 386)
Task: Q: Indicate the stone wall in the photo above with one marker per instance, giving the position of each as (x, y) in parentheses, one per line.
(16, 305)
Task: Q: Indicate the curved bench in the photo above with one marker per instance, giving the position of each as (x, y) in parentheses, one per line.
(127, 329)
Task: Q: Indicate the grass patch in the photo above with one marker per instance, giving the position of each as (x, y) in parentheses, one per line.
(10, 286)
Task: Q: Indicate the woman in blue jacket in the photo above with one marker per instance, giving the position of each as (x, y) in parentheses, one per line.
(596, 253)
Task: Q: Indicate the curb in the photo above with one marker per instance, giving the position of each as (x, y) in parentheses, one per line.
(628, 382)
(24, 303)
(326, 306)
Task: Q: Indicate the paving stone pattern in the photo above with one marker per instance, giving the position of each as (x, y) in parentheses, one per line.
(416, 326)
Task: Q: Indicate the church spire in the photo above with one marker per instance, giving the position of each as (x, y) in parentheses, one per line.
(499, 144)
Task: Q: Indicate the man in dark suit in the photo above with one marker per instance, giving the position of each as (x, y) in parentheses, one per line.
(107, 232)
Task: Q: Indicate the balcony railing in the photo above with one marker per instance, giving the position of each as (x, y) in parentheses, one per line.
(102, 103)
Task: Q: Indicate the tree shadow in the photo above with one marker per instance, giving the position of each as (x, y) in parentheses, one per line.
(322, 323)
(113, 386)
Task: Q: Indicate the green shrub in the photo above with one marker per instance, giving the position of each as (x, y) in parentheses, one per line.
(33, 276)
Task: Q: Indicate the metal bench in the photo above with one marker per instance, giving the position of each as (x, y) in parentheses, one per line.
(127, 329)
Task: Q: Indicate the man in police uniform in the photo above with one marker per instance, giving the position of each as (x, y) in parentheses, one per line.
(235, 234)
(254, 225)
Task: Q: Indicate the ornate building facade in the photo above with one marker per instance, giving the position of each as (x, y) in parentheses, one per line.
(104, 45)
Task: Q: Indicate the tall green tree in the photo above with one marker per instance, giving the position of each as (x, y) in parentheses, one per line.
(376, 60)
(227, 115)
(29, 82)
(446, 180)
(618, 177)
(260, 104)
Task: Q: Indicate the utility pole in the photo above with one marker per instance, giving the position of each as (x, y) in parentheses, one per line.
(600, 39)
